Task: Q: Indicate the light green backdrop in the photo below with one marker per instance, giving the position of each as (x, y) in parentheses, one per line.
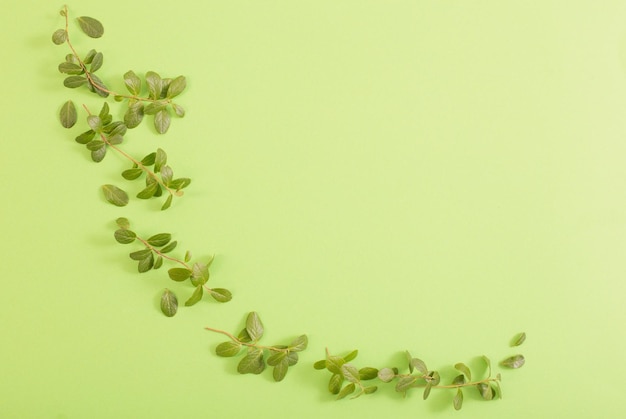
(381, 175)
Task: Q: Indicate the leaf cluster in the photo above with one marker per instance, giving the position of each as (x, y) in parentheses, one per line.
(103, 133)
(258, 357)
(81, 72)
(156, 249)
(346, 379)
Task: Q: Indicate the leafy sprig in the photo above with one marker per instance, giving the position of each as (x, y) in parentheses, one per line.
(257, 357)
(343, 372)
(156, 249)
(81, 72)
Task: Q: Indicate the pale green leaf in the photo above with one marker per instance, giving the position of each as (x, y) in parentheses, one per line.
(195, 297)
(169, 303)
(350, 373)
(458, 399)
(160, 159)
(386, 375)
(464, 369)
(146, 264)
(405, 383)
(419, 365)
(199, 273)
(134, 115)
(320, 365)
(149, 191)
(86, 137)
(115, 195)
(89, 56)
(220, 294)
(154, 82)
(368, 373)
(276, 357)
(254, 326)
(123, 223)
(252, 363)
(132, 82)
(178, 110)
(515, 361)
(132, 174)
(348, 389)
(176, 87)
(228, 349)
(162, 121)
(427, 391)
(167, 203)
(59, 36)
(335, 383)
(299, 344)
(351, 356)
(92, 27)
(280, 370)
(519, 339)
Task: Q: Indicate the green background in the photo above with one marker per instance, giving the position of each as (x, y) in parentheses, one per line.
(434, 176)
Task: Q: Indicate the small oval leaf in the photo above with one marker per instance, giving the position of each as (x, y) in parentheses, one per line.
(115, 195)
(169, 303)
(92, 27)
(68, 114)
(228, 349)
(515, 361)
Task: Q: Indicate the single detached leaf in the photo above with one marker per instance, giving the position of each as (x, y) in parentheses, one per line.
(350, 373)
(169, 303)
(59, 36)
(179, 274)
(228, 349)
(124, 236)
(299, 344)
(195, 297)
(123, 223)
(464, 369)
(133, 82)
(349, 389)
(515, 361)
(160, 239)
(254, 326)
(92, 27)
(162, 121)
(68, 114)
(220, 294)
(115, 195)
(386, 375)
(458, 399)
(520, 338)
(178, 110)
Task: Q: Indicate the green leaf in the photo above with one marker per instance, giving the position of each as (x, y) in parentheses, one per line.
(178, 110)
(459, 380)
(195, 297)
(386, 375)
(427, 390)
(419, 365)
(519, 339)
(115, 139)
(244, 336)
(158, 262)
(95, 145)
(179, 183)
(114, 128)
(220, 294)
(154, 84)
(335, 383)
(464, 369)
(280, 370)
(133, 82)
(370, 389)
(140, 254)
(154, 107)
(146, 264)
(169, 247)
(167, 203)
(351, 356)
(486, 391)
(334, 363)
(187, 256)
(433, 378)
(70, 68)
(169, 303)
(160, 239)
(488, 362)
(134, 115)
(68, 114)
(97, 86)
(123, 223)
(349, 389)
(162, 121)
(458, 400)
(199, 273)
(254, 326)
(149, 159)
(160, 159)
(97, 62)
(292, 358)
(94, 122)
(320, 365)
(405, 383)
(299, 344)
(89, 57)
(59, 36)
(115, 195)
(92, 27)
(74, 81)
(176, 87)
(86, 137)
(228, 349)
(368, 373)
(515, 361)
(125, 236)
(350, 373)
(149, 191)
(179, 274)
(132, 174)
(252, 363)
(276, 357)
(99, 154)
(166, 175)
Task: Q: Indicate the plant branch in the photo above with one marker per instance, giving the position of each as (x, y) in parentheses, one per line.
(163, 255)
(251, 345)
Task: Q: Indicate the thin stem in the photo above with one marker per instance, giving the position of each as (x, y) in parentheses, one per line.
(251, 345)
(471, 383)
(88, 74)
(163, 255)
(136, 162)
